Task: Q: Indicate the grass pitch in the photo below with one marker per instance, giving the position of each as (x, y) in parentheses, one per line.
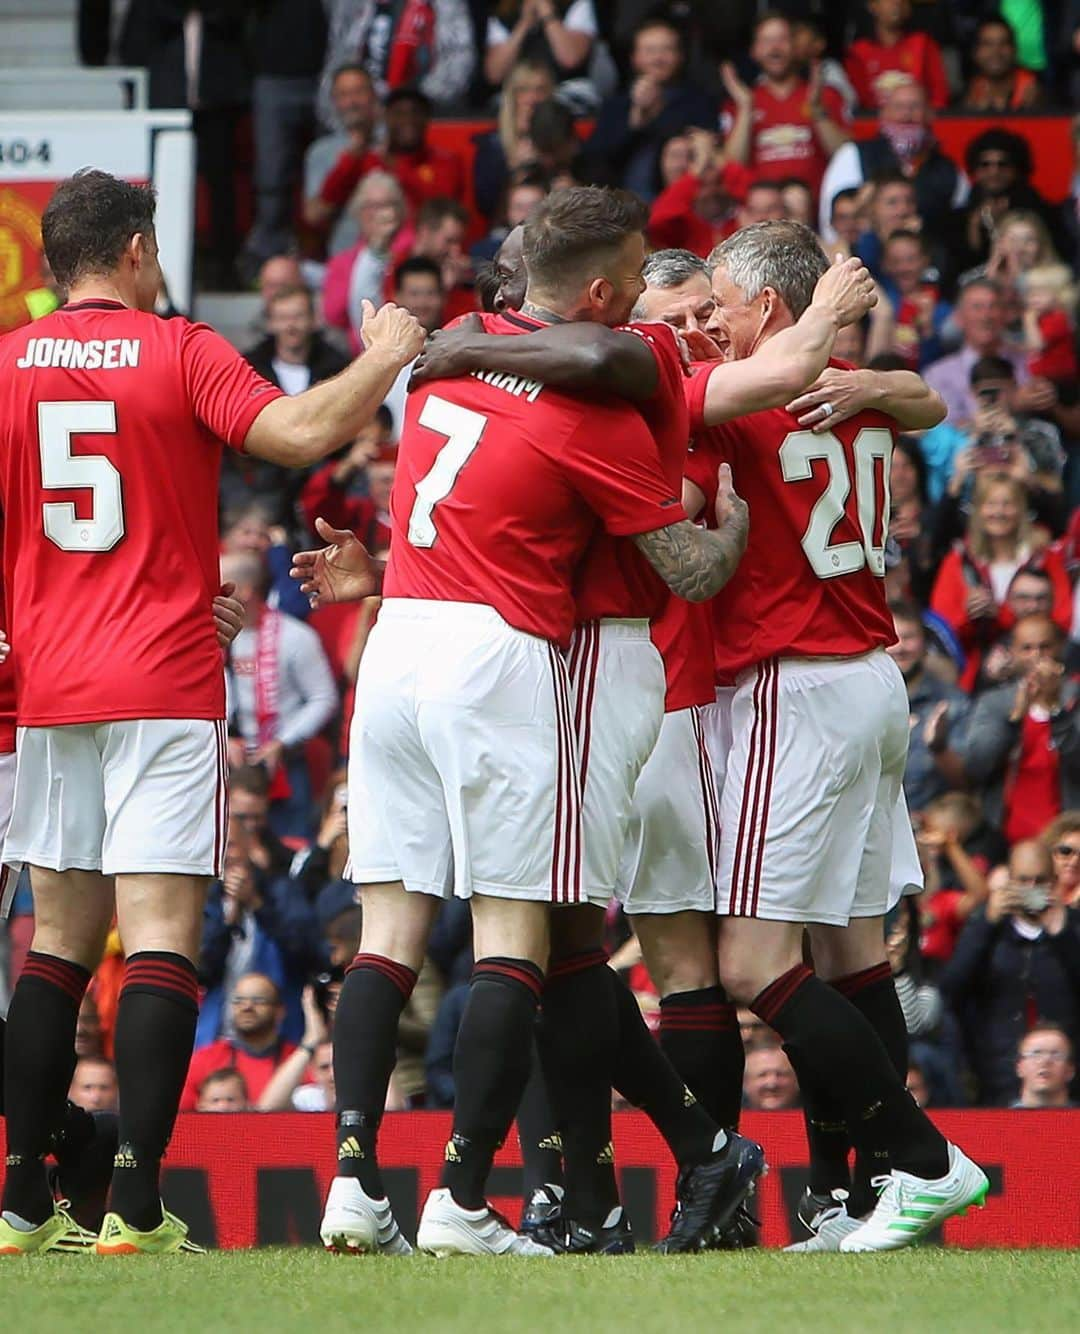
(301, 1291)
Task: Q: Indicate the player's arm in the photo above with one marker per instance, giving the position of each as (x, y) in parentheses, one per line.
(567, 356)
(694, 562)
(795, 357)
(837, 395)
(300, 430)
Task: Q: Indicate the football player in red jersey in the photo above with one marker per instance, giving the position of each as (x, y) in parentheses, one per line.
(110, 449)
(486, 542)
(819, 724)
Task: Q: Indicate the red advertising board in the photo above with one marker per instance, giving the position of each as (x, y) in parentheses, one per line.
(254, 1179)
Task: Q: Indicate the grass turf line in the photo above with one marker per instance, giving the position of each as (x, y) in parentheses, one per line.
(303, 1291)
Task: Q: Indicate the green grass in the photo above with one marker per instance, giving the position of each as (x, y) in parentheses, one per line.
(307, 1292)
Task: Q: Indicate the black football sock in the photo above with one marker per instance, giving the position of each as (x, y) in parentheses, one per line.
(873, 993)
(578, 1038)
(492, 1059)
(646, 1078)
(699, 1034)
(827, 1133)
(155, 1032)
(840, 1051)
(373, 995)
(538, 1135)
(39, 1060)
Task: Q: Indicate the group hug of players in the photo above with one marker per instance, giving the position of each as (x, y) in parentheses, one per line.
(603, 663)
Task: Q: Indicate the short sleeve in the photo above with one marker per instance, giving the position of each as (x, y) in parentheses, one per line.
(695, 389)
(225, 391)
(497, 32)
(613, 463)
(833, 103)
(580, 16)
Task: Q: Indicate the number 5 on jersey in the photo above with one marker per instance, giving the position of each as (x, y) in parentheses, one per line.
(463, 429)
(830, 559)
(61, 470)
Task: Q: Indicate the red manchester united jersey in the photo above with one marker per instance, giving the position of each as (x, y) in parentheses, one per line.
(110, 448)
(615, 579)
(782, 138)
(7, 691)
(499, 483)
(811, 583)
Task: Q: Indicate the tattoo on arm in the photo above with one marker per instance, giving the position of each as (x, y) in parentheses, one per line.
(695, 562)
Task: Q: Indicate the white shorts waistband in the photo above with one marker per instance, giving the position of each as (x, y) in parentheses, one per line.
(614, 627)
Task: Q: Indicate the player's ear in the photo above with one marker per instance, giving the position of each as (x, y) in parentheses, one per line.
(599, 293)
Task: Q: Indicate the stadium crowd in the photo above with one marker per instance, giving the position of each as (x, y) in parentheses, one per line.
(719, 116)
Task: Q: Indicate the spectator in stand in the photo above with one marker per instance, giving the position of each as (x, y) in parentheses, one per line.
(999, 164)
(784, 125)
(845, 219)
(275, 275)
(998, 83)
(355, 117)
(418, 287)
(811, 51)
(763, 202)
(905, 142)
(197, 56)
(422, 43)
(560, 33)
(1049, 299)
(359, 274)
(632, 126)
(697, 210)
(1016, 967)
(890, 205)
(911, 288)
(93, 1086)
(1062, 837)
(1021, 749)
(508, 147)
(288, 49)
(441, 228)
(918, 1086)
(938, 712)
(893, 55)
(1045, 1069)
(556, 144)
(769, 1083)
(256, 1046)
(1001, 437)
(282, 694)
(88, 1037)
(798, 200)
(522, 196)
(911, 535)
(330, 494)
(980, 319)
(249, 814)
(247, 528)
(957, 849)
(971, 590)
(422, 171)
(294, 355)
(223, 1091)
(287, 1088)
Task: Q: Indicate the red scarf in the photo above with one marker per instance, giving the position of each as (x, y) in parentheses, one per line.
(267, 644)
(411, 45)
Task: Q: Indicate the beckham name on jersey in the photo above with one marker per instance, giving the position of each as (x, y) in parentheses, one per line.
(518, 385)
(95, 354)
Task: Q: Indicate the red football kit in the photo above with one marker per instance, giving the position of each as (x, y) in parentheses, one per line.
(782, 138)
(111, 447)
(875, 70)
(7, 691)
(810, 583)
(498, 487)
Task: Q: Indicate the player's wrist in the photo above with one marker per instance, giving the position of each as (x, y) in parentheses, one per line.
(825, 310)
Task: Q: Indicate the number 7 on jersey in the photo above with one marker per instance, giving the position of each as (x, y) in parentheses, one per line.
(463, 429)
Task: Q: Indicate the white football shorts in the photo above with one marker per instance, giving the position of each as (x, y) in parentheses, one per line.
(672, 845)
(810, 799)
(618, 683)
(462, 761)
(128, 797)
(9, 875)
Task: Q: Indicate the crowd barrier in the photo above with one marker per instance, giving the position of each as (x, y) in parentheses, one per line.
(250, 1179)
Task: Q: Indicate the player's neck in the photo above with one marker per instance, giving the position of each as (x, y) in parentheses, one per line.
(97, 289)
(536, 310)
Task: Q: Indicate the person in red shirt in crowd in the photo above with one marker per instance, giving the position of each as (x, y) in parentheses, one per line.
(423, 172)
(1049, 332)
(958, 850)
(875, 65)
(973, 582)
(1021, 747)
(698, 209)
(328, 494)
(785, 125)
(441, 228)
(998, 83)
(256, 1047)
